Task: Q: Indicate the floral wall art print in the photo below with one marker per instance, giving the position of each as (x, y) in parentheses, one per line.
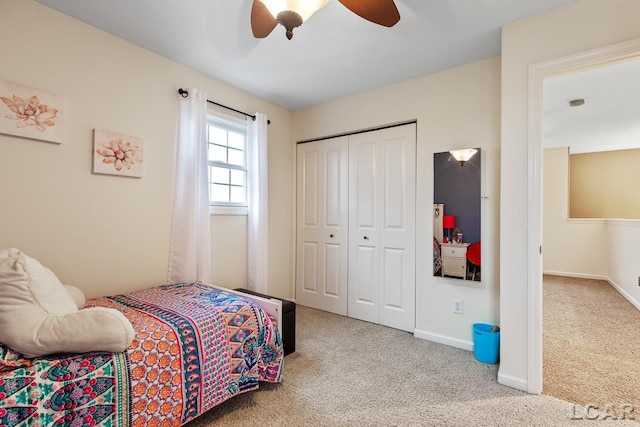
(30, 113)
(117, 154)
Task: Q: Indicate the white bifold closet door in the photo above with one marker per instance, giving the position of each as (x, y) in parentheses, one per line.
(355, 251)
(382, 197)
(322, 224)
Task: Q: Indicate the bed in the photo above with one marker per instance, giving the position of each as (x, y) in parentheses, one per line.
(195, 347)
(437, 258)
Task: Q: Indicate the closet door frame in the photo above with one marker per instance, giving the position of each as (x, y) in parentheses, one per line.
(339, 286)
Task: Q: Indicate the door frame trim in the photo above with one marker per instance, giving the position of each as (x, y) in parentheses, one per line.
(607, 55)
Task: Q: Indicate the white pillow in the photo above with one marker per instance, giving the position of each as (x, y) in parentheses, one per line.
(77, 296)
(38, 316)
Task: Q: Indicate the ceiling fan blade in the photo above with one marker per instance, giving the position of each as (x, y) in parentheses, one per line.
(262, 22)
(383, 12)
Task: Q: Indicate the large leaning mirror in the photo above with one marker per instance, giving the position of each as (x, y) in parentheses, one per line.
(456, 214)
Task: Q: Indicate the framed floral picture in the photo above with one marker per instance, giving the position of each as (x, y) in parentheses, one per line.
(117, 154)
(30, 113)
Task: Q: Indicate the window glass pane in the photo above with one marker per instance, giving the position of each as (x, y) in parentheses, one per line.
(219, 193)
(227, 156)
(237, 194)
(236, 157)
(238, 177)
(220, 175)
(217, 135)
(236, 140)
(217, 153)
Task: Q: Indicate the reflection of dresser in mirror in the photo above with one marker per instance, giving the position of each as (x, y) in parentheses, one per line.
(454, 259)
(453, 256)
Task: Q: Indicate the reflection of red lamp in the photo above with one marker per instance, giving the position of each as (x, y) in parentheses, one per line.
(448, 222)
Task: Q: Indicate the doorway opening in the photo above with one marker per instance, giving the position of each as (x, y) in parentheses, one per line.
(537, 75)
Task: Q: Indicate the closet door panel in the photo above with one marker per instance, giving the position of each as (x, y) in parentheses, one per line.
(333, 193)
(321, 272)
(394, 188)
(332, 272)
(364, 290)
(397, 235)
(393, 295)
(364, 219)
(309, 266)
(363, 189)
(336, 222)
(309, 262)
(310, 170)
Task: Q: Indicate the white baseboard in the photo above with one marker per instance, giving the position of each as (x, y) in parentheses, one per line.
(624, 293)
(443, 339)
(576, 275)
(513, 382)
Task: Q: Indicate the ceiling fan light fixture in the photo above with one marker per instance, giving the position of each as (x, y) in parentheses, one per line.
(292, 13)
(289, 20)
(304, 8)
(267, 14)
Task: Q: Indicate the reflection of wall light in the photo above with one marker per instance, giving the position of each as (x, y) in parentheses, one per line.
(463, 155)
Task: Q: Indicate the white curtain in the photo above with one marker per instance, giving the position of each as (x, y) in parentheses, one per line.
(190, 252)
(258, 233)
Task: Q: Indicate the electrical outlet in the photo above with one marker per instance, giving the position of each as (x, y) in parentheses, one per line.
(457, 306)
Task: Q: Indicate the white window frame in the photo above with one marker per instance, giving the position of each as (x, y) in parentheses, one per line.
(239, 125)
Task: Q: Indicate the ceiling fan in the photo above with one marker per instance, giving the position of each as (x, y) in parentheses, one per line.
(266, 14)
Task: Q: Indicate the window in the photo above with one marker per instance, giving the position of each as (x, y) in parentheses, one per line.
(227, 155)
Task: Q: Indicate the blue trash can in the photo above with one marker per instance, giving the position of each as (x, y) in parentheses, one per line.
(486, 344)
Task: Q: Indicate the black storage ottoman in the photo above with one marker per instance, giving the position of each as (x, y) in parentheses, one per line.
(288, 327)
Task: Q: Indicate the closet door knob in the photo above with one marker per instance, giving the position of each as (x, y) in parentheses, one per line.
(331, 235)
(366, 238)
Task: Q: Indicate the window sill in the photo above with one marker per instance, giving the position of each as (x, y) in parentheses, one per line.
(228, 210)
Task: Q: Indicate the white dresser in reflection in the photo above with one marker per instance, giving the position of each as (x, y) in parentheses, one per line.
(454, 259)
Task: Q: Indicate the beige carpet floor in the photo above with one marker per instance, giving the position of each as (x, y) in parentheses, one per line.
(351, 373)
(591, 344)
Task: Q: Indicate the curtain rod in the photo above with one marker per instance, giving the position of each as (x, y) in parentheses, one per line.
(185, 94)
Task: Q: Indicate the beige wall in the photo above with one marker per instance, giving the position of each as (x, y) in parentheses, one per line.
(601, 184)
(110, 234)
(590, 248)
(623, 269)
(456, 108)
(582, 26)
(571, 247)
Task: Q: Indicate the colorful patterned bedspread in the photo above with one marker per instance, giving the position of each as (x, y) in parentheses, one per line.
(194, 348)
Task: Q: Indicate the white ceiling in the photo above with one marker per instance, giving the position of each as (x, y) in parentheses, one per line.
(334, 54)
(608, 120)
